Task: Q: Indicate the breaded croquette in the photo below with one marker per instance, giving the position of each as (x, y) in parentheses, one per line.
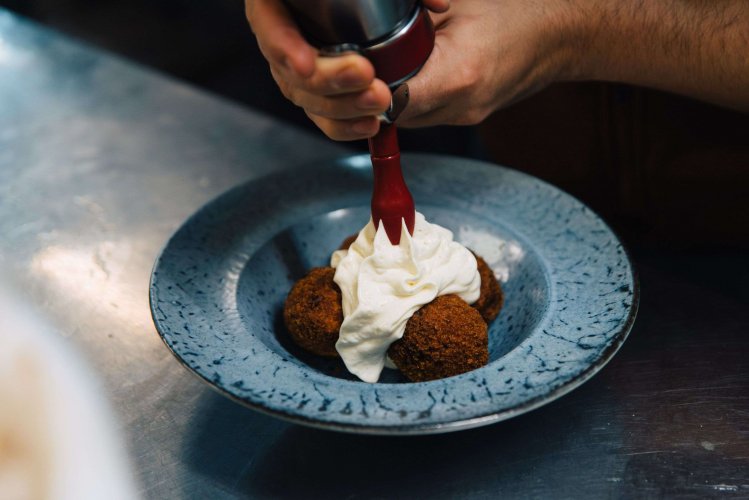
(491, 299)
(444, 338)
(313, 313)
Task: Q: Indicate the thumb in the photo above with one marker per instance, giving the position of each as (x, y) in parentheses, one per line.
(427, 91)
(279, 38)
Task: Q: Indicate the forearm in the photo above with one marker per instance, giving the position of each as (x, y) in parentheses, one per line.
(690, 47)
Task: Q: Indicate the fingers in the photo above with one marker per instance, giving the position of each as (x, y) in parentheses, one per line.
(292, 58)
(351, 116)
(347, 130)
(339, 94)
(279, 38)
(370, 101)
(437, 5)
(332, 75)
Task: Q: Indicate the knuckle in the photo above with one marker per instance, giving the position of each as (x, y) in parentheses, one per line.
(288, 90)
(312, 105)
(319, 107)
(268, 52)
(292, 94)
(330, 109)
(285, 88)
(469, 76)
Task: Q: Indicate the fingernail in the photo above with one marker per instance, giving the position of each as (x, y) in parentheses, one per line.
(363, 127)
(348, 77)
(368, 100)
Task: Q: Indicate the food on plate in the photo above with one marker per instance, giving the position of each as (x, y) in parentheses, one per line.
(491, 299)
(374, 292)
(348, 241)
(444, 338)
(313, 313)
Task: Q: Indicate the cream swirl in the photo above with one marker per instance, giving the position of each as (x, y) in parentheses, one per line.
(383, 285)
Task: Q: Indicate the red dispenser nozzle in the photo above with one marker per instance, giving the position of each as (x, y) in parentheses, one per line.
(391, 200)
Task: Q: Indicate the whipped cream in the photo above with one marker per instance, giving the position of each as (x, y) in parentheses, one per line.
(383, 285)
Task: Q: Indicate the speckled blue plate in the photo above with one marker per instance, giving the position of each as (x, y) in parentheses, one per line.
(218, 288)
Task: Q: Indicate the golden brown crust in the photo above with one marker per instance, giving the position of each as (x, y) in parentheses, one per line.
(491, 299)
(312, 312)
(444, 338)
(348, 241)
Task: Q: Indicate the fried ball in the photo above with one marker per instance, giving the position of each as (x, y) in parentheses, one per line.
(348, 241)
(491, 299)
(313, 313)
(444, 338)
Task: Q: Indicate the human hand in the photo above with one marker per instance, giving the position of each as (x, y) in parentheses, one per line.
(341, 95)
(489, 54)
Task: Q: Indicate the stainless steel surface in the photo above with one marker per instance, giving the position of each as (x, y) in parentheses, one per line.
(100, 161)
(333, 22)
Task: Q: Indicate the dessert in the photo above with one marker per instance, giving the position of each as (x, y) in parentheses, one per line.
(347, 242)
(408, 301)
(383, 284)
(491, 299)
(313, 313)
(444, 338)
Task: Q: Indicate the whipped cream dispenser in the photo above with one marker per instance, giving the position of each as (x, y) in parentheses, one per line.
(397, 37)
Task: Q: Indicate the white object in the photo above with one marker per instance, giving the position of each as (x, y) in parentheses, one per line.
(383, 285)
(58, 440)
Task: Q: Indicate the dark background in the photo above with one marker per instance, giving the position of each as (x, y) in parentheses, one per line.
(663, 170)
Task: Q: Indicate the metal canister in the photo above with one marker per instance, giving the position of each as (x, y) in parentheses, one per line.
(397, 36)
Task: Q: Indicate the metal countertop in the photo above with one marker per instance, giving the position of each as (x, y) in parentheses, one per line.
(101, 160)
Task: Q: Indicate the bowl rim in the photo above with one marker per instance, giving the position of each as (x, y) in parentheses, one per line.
(616, 341)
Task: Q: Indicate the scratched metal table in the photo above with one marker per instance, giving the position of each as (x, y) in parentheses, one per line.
(100, 161)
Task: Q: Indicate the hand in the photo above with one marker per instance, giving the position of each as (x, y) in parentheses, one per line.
(491, 53)
(487, 55)
(340, 94)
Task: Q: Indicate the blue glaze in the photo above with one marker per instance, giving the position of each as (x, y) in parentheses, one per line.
(218, 288)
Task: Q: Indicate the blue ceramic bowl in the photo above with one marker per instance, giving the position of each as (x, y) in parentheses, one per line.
(218, 288)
